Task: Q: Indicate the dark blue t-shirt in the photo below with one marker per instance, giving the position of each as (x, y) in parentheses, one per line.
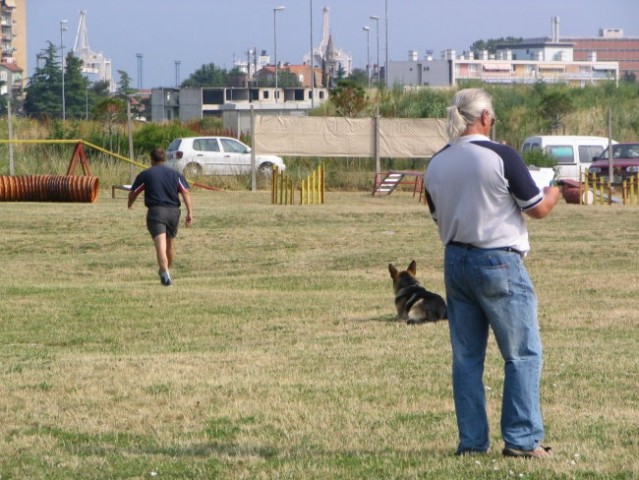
(161, 186)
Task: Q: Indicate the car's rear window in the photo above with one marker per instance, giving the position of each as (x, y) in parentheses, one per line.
(174, 145)
(206, 145)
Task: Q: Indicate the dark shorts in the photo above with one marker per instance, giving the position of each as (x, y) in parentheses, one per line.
(163, 220)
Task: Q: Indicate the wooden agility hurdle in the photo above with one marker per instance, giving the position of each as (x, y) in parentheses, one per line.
(604, 192)
(311, 190)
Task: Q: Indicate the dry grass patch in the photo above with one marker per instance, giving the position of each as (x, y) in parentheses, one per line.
(276, 354)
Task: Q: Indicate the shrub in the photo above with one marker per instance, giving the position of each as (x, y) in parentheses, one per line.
(538, 159)
(153, 135)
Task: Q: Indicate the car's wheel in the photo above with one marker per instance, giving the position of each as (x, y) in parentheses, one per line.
(265, 169)
(193, 170)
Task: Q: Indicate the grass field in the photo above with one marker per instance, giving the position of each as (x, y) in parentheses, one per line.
(276, 356)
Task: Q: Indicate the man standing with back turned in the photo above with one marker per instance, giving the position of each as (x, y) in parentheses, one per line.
(477, 191)
(161, 186)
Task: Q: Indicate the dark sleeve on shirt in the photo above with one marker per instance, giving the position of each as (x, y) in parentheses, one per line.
(429, 201)
(183, 183)
(138, 182)
(520, 183)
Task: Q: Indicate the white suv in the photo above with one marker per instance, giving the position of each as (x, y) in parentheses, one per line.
(194, 156)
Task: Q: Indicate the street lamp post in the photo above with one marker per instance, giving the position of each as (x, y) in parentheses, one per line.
(376, 18)
(63, 28)
(312, 59)
(275, 10)
(367, 29)
(386, 48)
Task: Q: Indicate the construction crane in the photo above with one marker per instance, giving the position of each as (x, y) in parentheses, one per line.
(92, 62)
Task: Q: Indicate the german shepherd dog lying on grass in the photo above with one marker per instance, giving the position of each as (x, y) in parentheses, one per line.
(414, 303)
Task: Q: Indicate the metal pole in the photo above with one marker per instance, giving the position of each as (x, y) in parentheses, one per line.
(312, 61)
(386, 52)
(610, 162)
(378, 163)
(275, 48)
(253, 160)
(376, 18)
(177, 73)
(130, 128)
(368, 54)
(10, 121)
(275, 10)
(63, 29)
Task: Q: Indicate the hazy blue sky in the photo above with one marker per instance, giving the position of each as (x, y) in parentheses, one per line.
(198, 32)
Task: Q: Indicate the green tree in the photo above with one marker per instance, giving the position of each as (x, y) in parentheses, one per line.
(287, 79)
(553, 107)
(491, 44)
(75, 88)
(124, 84)
(100, 88)
(208, 75)
(44, 92)
(153, 135)
(349, 98)
(4, 99)
(111, 111)
(95, 93)
(359, 77)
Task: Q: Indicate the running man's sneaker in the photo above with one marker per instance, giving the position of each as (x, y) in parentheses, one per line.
(165, 279)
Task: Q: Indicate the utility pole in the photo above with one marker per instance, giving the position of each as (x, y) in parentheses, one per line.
(275, 10)
(63, 28)
(312, 59)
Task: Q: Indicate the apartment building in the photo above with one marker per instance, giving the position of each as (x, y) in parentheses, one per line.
(555, 59)
(13, 39)
(610, 45)
(528, 63)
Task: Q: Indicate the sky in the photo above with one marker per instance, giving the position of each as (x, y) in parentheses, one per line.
(199, 32)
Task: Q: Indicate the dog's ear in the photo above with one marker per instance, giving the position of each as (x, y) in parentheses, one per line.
(392, 270)
(412, 268)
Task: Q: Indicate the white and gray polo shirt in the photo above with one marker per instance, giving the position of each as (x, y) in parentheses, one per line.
(476, 190)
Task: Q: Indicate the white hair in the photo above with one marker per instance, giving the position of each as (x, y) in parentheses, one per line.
(466, 108)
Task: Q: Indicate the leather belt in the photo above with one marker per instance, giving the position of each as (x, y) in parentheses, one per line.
(470, 246)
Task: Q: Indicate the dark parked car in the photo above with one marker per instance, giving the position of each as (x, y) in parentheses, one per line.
(625, 163)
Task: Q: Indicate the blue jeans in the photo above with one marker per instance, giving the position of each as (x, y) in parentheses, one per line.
(491, 288)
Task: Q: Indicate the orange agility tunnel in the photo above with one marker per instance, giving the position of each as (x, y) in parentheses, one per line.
(49, 188)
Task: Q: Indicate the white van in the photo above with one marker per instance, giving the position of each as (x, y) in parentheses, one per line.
(573, 153)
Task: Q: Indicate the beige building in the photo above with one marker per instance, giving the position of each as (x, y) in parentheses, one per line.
(13, 22)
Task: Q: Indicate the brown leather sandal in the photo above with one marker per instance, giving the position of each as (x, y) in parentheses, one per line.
(539, 452)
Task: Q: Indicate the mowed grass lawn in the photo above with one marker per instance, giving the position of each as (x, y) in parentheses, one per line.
(276, 354)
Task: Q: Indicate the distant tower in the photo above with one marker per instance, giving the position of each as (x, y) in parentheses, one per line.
(92, 62)
(554, 29)
(331, 63)
(338, 57)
